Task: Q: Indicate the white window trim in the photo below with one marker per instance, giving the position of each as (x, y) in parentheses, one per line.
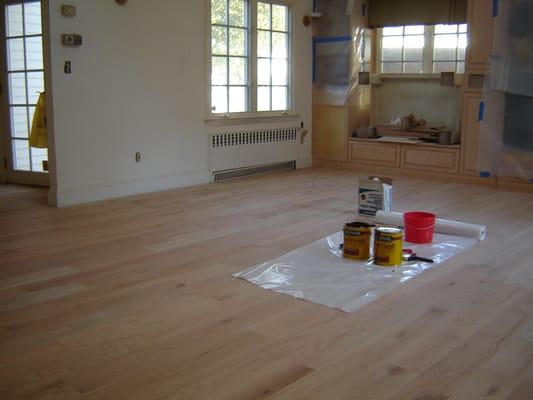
(252, 58)
(427, 60)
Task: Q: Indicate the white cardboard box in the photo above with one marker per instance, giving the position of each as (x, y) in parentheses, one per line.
(374, 194)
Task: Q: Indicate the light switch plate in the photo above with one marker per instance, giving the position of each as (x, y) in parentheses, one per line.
(68, 11)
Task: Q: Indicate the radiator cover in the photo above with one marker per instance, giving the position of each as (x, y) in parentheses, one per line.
(236, 154)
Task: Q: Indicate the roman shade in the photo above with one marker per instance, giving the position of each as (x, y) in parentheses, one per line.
(415, 12)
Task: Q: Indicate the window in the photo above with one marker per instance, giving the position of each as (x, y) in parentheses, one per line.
(249, 70)
(422, 49)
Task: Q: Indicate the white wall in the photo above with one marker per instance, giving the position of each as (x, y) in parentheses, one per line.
(139, 83)
(438, 105)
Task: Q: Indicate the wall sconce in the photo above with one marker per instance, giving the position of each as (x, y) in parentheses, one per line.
(307, 19)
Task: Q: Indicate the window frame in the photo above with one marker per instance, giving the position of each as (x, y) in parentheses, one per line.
(252, 65)
(427, 55)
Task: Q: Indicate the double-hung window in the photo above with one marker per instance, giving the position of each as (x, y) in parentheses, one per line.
(250, 56)
(422, 49)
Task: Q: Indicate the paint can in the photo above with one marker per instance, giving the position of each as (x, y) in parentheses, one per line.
(388, 244)
(357, 237)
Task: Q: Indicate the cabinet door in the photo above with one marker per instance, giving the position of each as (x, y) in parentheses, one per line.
(379, 153)
(330, 132)
(426, 158)
(470, 133)
(480, 30)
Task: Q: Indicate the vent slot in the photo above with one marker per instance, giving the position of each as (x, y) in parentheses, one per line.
(253, 137)
(219, 176)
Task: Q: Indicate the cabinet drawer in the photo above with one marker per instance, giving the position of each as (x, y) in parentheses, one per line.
(430, 159)
(383, 154)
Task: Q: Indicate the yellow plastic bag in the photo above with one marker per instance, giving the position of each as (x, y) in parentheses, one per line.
(39, 130)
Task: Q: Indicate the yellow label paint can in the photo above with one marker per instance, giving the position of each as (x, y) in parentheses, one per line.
(388, 243)
(357, 237)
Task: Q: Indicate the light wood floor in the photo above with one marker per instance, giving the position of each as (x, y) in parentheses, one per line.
(133, 298)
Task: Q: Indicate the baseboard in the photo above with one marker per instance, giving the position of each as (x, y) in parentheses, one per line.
(67, 196)
(304, 163)
(389, 171)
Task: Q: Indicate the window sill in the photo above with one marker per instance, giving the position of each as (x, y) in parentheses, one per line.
(377, 79)
(241, 119)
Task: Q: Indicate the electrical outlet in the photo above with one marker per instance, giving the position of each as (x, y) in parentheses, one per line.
(137, 157)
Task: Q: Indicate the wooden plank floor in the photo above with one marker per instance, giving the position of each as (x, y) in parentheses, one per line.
(133, 298)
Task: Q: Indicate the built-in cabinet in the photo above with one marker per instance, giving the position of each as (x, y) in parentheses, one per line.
(480, 30)
(470, 133)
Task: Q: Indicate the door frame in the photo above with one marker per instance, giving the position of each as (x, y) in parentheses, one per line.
(10, 175)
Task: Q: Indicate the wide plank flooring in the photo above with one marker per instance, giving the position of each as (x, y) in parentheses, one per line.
(133, 298)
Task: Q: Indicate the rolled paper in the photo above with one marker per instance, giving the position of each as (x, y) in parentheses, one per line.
(445, 226)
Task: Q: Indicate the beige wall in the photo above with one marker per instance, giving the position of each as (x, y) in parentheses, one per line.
(139, 83)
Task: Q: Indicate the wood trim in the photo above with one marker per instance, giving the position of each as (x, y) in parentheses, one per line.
(415, 173)
(469, 132)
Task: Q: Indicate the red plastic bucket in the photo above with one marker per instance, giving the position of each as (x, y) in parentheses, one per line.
(419, 226)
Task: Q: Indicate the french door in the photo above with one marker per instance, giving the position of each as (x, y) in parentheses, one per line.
(22, 81)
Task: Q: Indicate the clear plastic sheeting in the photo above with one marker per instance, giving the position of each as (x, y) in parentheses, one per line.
(505, 117)
(319, 273)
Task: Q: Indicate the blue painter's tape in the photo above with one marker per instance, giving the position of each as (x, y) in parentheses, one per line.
(494, 8)
(314, 5)
(481, 111)
(484, 174)
(363, 9)
(331, 39)
(314, 60)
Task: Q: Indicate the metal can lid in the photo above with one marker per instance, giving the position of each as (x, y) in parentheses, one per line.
(358, 224)
(389, 230)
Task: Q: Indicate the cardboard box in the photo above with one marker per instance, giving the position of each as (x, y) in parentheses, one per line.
(374, 194)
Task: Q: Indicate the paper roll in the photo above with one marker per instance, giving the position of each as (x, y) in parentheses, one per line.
(445, 226)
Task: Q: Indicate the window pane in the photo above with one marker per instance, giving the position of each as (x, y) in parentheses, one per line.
(263, 98)
(19, 122)
(263, 71)
(34, 53)
(35, 86)
(462, 28)
(15, 54)
(460, 68)
(461, 46)
(237, 42)
(237, 13)
(237, 99)
(393, 30)
(392, 48)
(444, 47)
(37, 158)
(279, 98)
(279, 18)
(14, 20)
(263, 44)
(414, 47)
(391, 67)
(445, 28)
(444, 66)
(414, 29)
(279, 72)
(219, 72)
(237, 71)
(263, 16)
(219, 12)
(219, 41)
(280, 45)
(17, 88)
(219, 99)
(21, 155)
(412, 67)
(32, 18)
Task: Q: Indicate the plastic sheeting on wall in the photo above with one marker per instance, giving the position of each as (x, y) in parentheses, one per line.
(318, 272)
(505, 112)
(341, 49)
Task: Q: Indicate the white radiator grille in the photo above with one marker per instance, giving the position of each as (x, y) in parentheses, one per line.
(235, 153)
